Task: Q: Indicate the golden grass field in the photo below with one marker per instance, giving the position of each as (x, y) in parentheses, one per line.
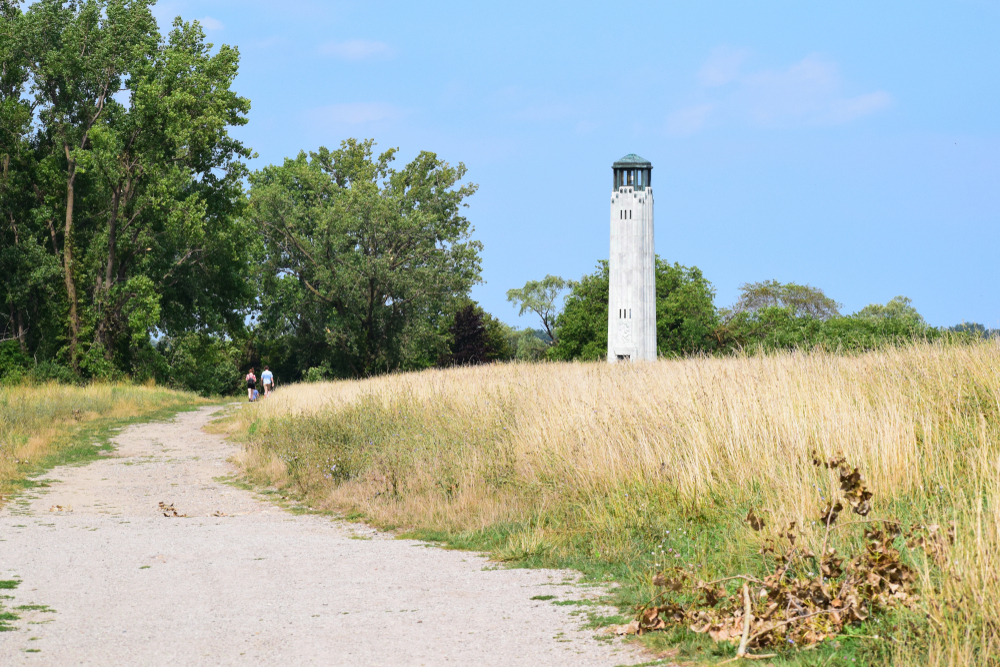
(604, 459)
(38, 421)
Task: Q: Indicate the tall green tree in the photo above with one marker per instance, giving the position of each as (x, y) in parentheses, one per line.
(171, 257)
(135, 184)
(28, 274)
(78, 54)
(583, 322)
(362, 261)
(540, 297)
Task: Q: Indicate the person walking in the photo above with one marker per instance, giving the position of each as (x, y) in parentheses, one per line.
(251, 384)
(267, 377)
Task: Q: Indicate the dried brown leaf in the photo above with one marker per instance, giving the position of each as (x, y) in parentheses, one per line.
(628, 629)
(830, 513)
(790, 533)
(756, 522)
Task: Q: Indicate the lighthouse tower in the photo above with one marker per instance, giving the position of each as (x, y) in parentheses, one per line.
(632, 265)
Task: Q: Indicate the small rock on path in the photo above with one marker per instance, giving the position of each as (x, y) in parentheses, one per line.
(120, 584)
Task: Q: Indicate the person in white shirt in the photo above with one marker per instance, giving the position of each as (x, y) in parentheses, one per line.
(268, 379)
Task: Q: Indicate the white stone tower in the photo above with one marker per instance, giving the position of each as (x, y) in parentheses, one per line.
(632, 265)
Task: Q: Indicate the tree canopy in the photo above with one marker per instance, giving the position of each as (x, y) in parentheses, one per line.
(800, 300)
(541, 298)
(360, 261)
(121, 186)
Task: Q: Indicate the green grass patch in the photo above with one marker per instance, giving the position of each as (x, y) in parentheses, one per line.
(36, 607)
(5, 620)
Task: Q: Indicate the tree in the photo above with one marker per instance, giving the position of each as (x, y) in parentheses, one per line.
(899, 309)
(583, 323)
(362, 262)
(477, 338)
(685, 314)
(29, 273)
(528, 344)
(802, 300)
(120, 188)
(78, 55)
(539, 297)
(685, 311)
(172, 176)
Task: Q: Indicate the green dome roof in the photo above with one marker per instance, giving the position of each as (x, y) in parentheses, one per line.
(632, 161)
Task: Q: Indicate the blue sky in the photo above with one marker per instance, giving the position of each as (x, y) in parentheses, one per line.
(853, 146)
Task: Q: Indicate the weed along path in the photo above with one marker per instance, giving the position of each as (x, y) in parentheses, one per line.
(96, 574)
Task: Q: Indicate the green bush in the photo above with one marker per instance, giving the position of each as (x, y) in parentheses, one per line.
(12, 361)
(201, 363)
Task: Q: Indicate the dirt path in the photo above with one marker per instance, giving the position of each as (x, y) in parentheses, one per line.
(118, 583)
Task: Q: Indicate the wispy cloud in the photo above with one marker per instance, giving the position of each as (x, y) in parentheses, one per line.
(846, 110)
(808, 92)
(208, 23)
(355, 113)
(689, 119)
(722, 67)
(357, 49)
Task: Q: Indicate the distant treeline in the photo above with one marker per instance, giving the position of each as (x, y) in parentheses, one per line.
(135, 242)
(768, 316)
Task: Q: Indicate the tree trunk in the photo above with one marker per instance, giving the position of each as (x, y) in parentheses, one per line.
(74, 318)
(112, 239)
(22, 332)
(18, 313)
(103, 325)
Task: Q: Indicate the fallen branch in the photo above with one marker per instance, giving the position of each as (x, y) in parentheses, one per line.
(747, 619)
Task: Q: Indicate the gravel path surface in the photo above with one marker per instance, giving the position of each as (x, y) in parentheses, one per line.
(239, 581)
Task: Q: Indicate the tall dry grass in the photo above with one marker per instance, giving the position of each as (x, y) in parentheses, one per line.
(37, 420)
(591, 454)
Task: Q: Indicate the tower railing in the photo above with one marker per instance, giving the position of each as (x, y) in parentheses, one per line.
(639, 179)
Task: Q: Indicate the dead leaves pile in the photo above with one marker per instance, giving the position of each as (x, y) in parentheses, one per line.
(808, 597)
(169, 511)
